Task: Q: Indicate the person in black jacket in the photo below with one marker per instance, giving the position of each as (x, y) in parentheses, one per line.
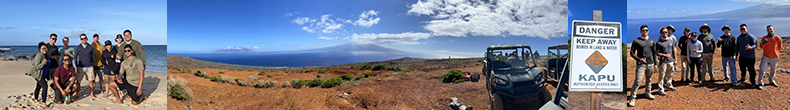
(111, 67)
(728, 49)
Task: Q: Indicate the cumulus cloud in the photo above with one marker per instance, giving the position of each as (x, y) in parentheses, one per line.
(324, 24)
(76, 32)
(387, 38)
(366, 19)
(327, 38)
(288, 14)
(532, 18)
(776, 2)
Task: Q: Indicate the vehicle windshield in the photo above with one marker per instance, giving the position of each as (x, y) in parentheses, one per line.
(507, 59)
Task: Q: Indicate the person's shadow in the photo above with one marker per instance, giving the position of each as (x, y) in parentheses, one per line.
(150, 84)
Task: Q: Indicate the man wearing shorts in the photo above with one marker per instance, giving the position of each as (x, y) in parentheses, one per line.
(85, 55)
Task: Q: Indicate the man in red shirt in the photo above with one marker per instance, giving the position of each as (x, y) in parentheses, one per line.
(64, 80)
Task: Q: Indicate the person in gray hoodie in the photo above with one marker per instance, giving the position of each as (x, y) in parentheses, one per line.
(746, 44)
(709, 47)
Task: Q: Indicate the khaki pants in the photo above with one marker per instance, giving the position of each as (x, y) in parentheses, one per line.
(641, 71)
(665, 71)
(684, 74)
(707, 62)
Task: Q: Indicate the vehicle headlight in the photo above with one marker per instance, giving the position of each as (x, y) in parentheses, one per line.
(500, 81)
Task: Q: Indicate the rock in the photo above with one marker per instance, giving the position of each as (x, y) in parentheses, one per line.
(458, 105)
(343, 95)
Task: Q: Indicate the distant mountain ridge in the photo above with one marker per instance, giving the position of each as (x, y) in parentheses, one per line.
(357, 47)
(235, 50)
(758, 11)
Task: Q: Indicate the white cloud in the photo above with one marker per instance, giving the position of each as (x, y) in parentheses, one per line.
(671, 11)
(76, 32)
(386, 38)
(308, 29)
(366, 18)
(776, 2)
(327, 38)
(303, 20)
(288, 14)
(248, 47)
(84, 21)
(532, 18)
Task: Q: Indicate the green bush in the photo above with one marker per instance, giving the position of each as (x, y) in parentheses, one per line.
(379, 67)
(318, 76)
(332, 82)
(221, 72)
(337, 71)
(216, 78)
(322, 71)
(182, 71)
(315, 82)
(370, 74)
(178, 91)
(480, 60)
(294, 83)
(453, 76)
(346, 77)
(352, 67)
(241, 82)
(399, 69)
(269, 76)
(189, 71)
(359, 77)
(261, 73)
(365, 67)
(478, 64)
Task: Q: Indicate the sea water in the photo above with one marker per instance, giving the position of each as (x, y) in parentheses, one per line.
(156, 55)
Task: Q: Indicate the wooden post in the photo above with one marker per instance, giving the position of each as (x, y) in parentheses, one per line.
(595, 103)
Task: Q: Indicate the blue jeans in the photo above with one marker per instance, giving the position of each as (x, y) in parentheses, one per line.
(729, 62)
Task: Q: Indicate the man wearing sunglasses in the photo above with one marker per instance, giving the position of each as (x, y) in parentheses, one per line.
(664, 50)
(136, 45)
(85, 55)
(745, 54)
(52, 52)
(682, 44)
(643, 50)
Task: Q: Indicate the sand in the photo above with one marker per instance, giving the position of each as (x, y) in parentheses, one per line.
(17, 88)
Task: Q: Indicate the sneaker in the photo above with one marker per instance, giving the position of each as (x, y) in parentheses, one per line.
(740, 81)
(672, 89)
(650, 96)
(726, 79)
(754, 86)
(760, 87)
(774, 84)
(632, 103)
(734, 84)
(700, 82)
(662, 93)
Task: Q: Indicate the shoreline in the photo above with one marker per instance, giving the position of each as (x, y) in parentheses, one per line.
(17, 88)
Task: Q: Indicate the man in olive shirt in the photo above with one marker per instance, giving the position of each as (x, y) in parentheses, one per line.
(137, 46)
(132, 76)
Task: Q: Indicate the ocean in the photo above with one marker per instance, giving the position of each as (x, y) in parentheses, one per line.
(294, 58)
(756, 26)
(155, 54)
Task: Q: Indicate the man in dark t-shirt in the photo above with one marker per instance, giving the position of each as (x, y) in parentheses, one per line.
(644, 52)
(682, 42)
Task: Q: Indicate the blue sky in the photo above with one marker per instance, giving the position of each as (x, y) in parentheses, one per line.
(678, 8)
(29, 22)
(462, 29)
(612, 10)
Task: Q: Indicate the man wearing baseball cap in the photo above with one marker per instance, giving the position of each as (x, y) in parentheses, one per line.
(728, 49)
(685, 75)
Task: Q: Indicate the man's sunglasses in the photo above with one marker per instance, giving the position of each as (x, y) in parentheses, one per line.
(664, 32)
(83, 38)
(644, 30)
(127, 50)
(66, 59)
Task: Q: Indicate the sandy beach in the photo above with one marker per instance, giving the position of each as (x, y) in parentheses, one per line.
(17, 88)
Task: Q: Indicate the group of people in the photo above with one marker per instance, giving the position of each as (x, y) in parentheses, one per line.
(122, 66)
(697, 52)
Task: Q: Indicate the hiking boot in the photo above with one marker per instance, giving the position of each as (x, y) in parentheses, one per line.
(754, 86)
(632, 103)
(734, 84)
(650, 96)
(774, 84)
(662, 93)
